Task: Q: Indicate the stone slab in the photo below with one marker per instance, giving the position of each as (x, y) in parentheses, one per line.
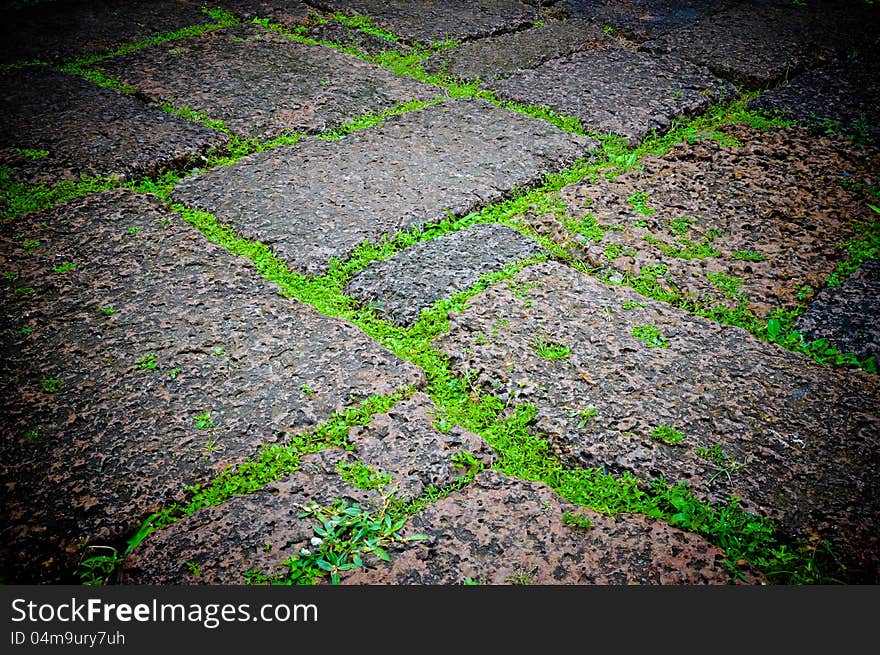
(497, 57)
(286, 12)
(782, 197)
(413, 280)
(89, 130)
(193, 330)
(430, 21)
(338, 33)
(262, 84)
(798, 442)
(641, 20)
(847, 315)
(50, 31)
(320, 199)
(500, 530)
(617, 90)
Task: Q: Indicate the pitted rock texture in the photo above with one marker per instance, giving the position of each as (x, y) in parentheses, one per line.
(430, 21)
(320, 199)
(498, 57)
(413, 280)
(406, 443)
(641, 19)
(286, 12)
(193, 330)
(254, 532)
(500, 530)
(798, 442)
(787, 198)
(49, 31)
(843, 95)
(262, 84)
(614, 89)
(89, 130)
(847, 315)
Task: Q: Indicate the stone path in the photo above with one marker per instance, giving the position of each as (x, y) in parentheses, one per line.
(498, 292)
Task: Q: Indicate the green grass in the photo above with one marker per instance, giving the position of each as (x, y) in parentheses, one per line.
(549, 350)
(650, 335)
(667, 434)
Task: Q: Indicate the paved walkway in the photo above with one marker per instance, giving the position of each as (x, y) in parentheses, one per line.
(392, 292)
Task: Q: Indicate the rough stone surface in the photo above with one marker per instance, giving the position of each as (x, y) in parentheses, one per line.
(342, 34)
(498, 57)
(402, 286)
(641, 19)
(406, 443)
(799, 440)
(614, 89)
(256, 532)
(505, 531)
(319, 199)
(194, 330)
(786, 196)
(847, 315)
(287, 12)
(58, 30)
(430, 21)
(843, 95)
(262, 84)
(89, 130)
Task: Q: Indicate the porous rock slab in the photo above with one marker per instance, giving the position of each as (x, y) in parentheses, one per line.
(319, 199)
(501, 56)
(57, 30)
(262, 84)
(785, 196)
(641, 19)
(805, 438)
(847, 315)
(430, 21)
(500, 530)
(287, 12)
(89, 130)
(618, 90)
(413, 280)
(228, 540)
(194, 330)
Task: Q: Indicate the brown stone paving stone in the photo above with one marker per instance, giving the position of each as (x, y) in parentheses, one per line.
(50, 31)
(847, 315)
(805, 438)
(89, 130)
(617, 90)
(498, 57)
(500, 530)
(262, 84)
(402, 286)
(430, 21)
(256, 531)
(320, 199)
(118, 440)
(779, 194)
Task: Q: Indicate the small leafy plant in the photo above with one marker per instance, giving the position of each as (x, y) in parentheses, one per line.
(549, 350)
(147, 362)
(667, 434)
(579, 521)
(650, 335)
(52, 385)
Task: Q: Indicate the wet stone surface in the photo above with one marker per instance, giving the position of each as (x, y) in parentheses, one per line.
(430, 21)
(500, 530)
(49, 31)
(614, 89)
(262, 84)
(134, 327)
(847, 315)
(796, 441)
(320, 199)
(501, 56)
(413, 280)
(641, 19)
(89, 130)
(755, 222)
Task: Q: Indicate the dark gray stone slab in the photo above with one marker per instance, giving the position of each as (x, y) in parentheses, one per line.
(617, 90)
(849, 315)
(498, 57)
(320, 199)
(641, 19)
(67, 28)
(402, 286)
(430, 21)
(287, 12)
(89, 130)
(193, 330)
(505, 531)
(262, 84)
(798, 442)
(338, 33)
